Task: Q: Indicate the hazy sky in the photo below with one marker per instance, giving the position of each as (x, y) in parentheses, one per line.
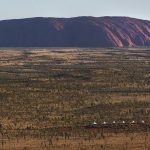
(11, 9)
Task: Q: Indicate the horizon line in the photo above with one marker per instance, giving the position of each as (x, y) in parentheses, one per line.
(72, 17)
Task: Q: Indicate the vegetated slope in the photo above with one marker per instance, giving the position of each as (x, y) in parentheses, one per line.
(75, 32)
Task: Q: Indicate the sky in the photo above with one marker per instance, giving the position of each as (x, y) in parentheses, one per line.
(14, 9)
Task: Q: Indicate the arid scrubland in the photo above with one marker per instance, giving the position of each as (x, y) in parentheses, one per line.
(48, 95)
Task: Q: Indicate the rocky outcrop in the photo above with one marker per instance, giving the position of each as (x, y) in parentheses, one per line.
(75, 32)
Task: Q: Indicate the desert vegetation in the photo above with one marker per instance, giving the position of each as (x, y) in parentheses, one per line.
(48, 96)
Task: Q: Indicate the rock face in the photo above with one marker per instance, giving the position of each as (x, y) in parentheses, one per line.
(75, 32)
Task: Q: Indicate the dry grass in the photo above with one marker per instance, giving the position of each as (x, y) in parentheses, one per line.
(56, 87)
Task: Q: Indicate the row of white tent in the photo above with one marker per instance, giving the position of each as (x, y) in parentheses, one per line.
(123, 122)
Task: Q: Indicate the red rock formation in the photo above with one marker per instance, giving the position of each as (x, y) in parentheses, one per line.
(75, 32)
